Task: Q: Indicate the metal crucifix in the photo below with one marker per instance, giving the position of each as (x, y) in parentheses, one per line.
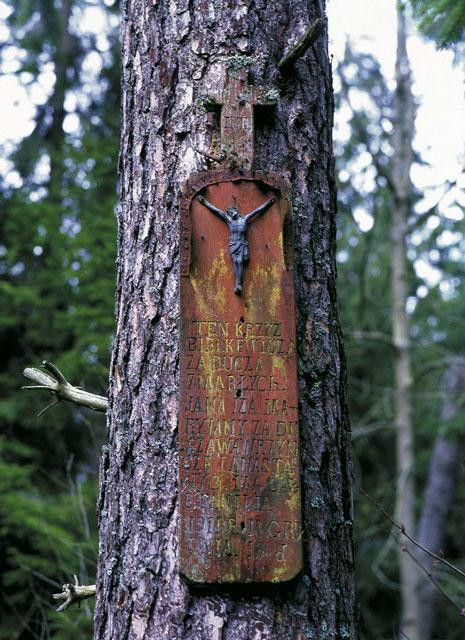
(238, 245)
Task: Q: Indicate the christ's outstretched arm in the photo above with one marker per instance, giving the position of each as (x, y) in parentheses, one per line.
(213, 209)
(259, 210)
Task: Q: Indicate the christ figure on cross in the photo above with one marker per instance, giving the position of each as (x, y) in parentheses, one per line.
(238, 245)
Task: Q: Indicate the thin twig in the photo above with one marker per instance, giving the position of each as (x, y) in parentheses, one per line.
(55, 371)
(401, 528)
(49, 406)
(298, 50)
(358, 432)
(433, 580)
(379, 336)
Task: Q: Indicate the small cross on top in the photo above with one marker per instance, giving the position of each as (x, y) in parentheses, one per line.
(237, 117)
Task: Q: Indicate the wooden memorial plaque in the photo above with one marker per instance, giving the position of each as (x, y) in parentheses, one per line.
(240, 509)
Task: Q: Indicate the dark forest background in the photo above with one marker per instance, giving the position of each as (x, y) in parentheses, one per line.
(58, 193)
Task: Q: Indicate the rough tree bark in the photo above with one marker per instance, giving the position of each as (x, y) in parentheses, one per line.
(404, 118)
(440, 491)
(174, 54)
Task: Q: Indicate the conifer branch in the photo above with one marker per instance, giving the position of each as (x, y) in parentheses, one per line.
(55, 382)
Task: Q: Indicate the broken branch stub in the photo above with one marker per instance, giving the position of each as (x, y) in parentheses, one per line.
(55, 382)
(74, 593)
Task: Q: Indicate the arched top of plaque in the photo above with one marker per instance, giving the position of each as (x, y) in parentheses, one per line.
(246, 193)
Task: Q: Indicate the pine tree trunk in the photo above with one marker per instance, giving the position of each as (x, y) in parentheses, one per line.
(439, 492)
(173, 54)
(402, 162)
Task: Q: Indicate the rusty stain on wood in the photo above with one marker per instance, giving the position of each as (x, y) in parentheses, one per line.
(240, 505)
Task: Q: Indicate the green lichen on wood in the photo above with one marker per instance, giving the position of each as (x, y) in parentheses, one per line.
(204, 102)
(237, 63)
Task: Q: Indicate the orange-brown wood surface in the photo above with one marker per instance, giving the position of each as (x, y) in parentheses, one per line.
(240, 509)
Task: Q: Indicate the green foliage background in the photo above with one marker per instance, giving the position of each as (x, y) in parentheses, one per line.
(57, 254)
(442, 20)
(364, 164)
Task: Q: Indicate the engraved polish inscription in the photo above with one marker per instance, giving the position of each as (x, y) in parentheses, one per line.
(238, 428)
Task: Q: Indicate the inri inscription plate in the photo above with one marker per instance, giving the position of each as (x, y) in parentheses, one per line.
(240, 510)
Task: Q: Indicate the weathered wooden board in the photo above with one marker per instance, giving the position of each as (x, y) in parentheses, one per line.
(240, 510)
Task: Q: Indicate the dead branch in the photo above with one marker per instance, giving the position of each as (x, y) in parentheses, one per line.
(55, 382)
(298, 50)
(74, 593)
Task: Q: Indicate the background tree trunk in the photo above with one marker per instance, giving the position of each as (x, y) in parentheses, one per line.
(404, 116)
(173, 54)
(440, 491)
